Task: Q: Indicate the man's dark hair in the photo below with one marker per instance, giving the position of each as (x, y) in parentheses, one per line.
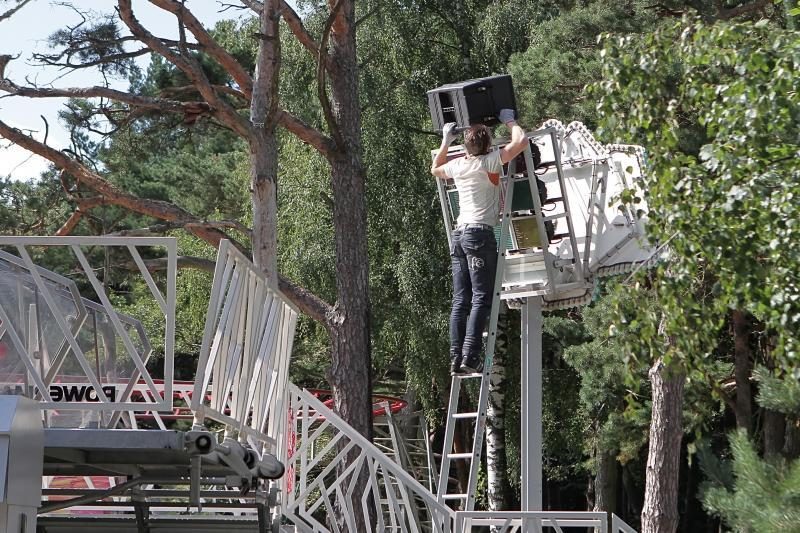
(478, 139)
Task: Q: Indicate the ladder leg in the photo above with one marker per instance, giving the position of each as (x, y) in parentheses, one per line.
(452, 407)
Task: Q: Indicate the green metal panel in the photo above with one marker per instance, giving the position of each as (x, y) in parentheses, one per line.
(522, 196)
(526, 231)
(509, 241)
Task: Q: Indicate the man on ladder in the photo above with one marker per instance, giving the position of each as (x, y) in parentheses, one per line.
(473, 248)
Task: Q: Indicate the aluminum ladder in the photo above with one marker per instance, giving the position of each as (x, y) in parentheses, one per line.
(479, 416)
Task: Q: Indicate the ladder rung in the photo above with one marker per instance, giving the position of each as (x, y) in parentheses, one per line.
(466, 415)
(468, 376)
(554, 217)
(466, 455)
(454, 497)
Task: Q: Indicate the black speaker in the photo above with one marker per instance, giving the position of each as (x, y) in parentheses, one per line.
(471, 102)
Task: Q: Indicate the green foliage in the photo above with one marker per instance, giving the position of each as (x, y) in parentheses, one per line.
(778, 393)
(717, 107)
(95, 41)
(306, 250)
(193, 292)
(194, 166)
(752, 494)
(32, 206)
(506, 27)
(612, 420)
(549, 77)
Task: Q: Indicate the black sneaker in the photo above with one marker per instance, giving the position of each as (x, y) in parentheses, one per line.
(455, 366)
(472, 366)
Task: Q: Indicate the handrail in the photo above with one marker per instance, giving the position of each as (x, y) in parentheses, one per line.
(323, 445)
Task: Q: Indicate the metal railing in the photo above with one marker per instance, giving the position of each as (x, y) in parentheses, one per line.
(327, 460)
(244, 357)
(76, 353)
(539, 521)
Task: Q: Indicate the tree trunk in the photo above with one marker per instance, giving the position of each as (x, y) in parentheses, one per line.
(605, 481)
(660, 511)
(791, 445)
(632, 496)
(264, 144)
(496, 464)
(743, 368)
(351, 365)
(774, 433)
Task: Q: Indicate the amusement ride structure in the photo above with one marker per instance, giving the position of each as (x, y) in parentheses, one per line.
(96, 434)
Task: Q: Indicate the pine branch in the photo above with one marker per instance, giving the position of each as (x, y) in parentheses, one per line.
(160, 263)
(210, 46)
(109, 192)
(222, 110)
(254, 5)
(192, 89)
(322, 60)
(84, 44)
(299, 30)
(146, 102)
(309, 135)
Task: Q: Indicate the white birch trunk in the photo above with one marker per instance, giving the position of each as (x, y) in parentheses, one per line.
(496, 464)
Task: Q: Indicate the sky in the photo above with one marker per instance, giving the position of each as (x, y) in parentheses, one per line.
(26, 32)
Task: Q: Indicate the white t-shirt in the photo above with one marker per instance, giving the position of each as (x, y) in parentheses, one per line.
(477, 179)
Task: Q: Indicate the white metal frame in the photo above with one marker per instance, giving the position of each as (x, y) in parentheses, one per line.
(539, 521)
(319, 444)
(44, 282)
(244, 357)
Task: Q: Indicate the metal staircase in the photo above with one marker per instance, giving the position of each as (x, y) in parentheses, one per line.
(552, 264)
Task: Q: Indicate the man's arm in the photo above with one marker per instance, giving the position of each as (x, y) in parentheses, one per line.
(518, 138)
(448, 136)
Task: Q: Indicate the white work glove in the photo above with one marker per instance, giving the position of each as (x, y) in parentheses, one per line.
(506, 116)
(449, 133)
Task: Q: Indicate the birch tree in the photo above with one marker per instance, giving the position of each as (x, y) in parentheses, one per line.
(498, 490)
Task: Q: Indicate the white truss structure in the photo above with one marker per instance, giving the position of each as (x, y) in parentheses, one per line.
(71, 341)
(55, 339)
(244, 357)
(317, 480)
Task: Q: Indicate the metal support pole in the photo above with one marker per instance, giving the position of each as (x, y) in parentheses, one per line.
(531, 404)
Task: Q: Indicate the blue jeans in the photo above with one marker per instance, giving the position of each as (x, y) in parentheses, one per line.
(473, 253)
